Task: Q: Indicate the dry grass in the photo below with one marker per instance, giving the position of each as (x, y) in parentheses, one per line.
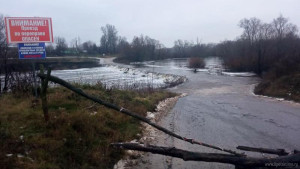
(79, 132)
(287, 87)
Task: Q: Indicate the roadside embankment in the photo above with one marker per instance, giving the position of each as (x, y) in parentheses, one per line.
(286, 87)
(149, 134)
(79, 132)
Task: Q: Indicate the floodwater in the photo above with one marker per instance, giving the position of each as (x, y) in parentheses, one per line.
(113, 75)
(221, 109)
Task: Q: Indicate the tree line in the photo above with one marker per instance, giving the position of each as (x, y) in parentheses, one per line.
(268, 49)
(271, 49)
(263, 47)
(109, 44)
(140, 49)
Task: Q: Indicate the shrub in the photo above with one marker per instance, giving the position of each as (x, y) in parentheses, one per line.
(196, 62)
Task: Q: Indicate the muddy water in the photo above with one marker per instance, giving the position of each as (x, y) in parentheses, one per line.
(221, 109)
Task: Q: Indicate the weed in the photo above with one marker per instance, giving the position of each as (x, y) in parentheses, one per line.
(79, 132)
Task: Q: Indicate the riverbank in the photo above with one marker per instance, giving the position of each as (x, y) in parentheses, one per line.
(149, 134)
(79, 132)
(285, 87)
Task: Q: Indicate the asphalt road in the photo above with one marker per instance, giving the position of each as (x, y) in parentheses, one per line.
(222, 110)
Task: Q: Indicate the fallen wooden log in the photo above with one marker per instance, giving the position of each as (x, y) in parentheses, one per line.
(292, 161)
(280, 152)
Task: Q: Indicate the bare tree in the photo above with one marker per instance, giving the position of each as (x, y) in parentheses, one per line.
(76, 45)
(89, 47)
(283, 28)
(266, 31)
(123, 45)
(256, 34)
(181, 48)
(263, 46)
(3, 57)
(61, 45)
(108, 41)
(251, 29)
(50, 49)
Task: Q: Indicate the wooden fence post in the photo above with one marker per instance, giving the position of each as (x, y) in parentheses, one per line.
(44, 86)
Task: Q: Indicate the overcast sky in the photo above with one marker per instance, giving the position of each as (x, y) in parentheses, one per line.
(164, 20)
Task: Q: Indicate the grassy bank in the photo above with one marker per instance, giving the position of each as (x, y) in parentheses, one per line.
(79, 132)
(287, 87)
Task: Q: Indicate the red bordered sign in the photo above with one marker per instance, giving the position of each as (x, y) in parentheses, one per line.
(28, 29)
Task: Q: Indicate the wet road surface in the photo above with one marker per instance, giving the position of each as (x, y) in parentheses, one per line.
(222, 110)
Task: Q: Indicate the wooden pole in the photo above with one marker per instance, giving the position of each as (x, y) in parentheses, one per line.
(280, 152)
(240, 161)
(44, 86)
(34, 80)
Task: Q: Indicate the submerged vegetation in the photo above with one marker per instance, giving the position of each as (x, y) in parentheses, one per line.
(79, 131)
(195, 62)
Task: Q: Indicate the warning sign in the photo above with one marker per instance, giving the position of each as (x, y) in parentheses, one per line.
(28, 30)
(32, 51)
